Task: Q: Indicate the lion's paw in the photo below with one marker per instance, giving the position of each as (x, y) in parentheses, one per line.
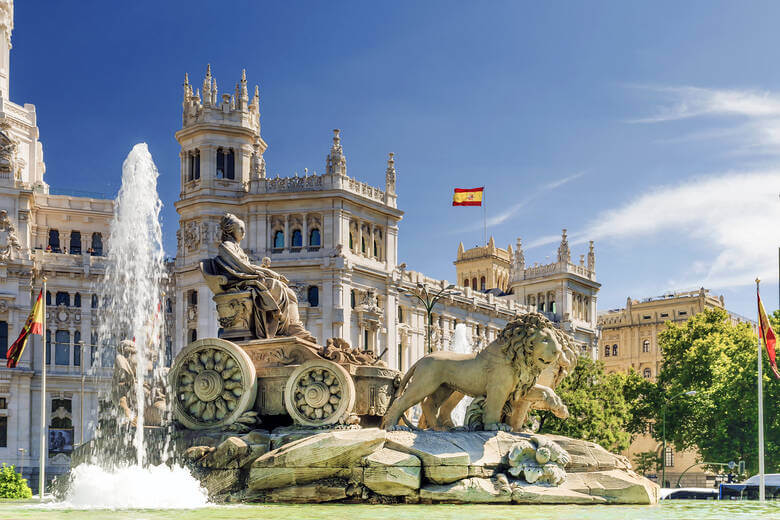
(493, 427)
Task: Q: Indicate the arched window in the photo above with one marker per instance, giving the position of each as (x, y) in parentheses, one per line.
(48, 347)
(466, 282)
(94, 301)
(352, 298)
(226, 163)
(363, 244)
(279, 240)
(553, 307)
(54, 241)
(313, 295)
(482, 285)
(77, 348)
(607, 350)
(647, 373)
(48, 298)
(400, 314)
(75, 243)
(614, 350)
(97, 244)
(646, 346)
(193, 335)
(3, 338)
(77, 300)
(62, 298)
(314, 238)
(193, 297)
(474, 283)
(297, 238)
(376, 249)
(62, 347)
(168, 305)
(541, 306)
(351, 242)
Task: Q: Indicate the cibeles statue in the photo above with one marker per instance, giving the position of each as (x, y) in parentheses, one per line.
(253, 301)
(125, 379)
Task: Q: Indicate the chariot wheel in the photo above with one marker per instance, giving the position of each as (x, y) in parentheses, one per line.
(213, 382)
(319, 393)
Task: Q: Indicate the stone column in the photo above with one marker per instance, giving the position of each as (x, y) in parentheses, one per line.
(304, 230)
(287, 240)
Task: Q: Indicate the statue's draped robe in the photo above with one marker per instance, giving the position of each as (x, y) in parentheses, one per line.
(275, 304)
(123, 385)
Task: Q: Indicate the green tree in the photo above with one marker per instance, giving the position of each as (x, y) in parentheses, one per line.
(597, 406)
(12, 485)
(717, 359)
(647, 462)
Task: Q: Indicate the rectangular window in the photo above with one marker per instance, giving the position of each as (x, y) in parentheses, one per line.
(646, 317)
(48, 347)
(62, 348)
(669, 459)
(3, 432)
(685, 313)
(3, 403)
(666, 315)
(3, 339)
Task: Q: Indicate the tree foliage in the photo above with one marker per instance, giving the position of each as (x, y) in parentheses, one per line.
(647, 462)
(12, 485)
(597, 405)
(717, 359)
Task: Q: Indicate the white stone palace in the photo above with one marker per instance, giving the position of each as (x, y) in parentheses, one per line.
(335, 238)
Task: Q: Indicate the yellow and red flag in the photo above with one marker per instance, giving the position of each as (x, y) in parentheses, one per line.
(768, 336)
(33, 325)
(467, 196)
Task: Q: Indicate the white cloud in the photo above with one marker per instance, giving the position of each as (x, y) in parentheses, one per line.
(737, 215)
(687, 102)
(512, 210)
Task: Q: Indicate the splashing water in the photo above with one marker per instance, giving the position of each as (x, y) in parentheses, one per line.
(155, 487)
(131, 298)
(462, 345)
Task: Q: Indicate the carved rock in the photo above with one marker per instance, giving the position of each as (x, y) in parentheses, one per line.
(443, 462)
(219, 481)
(320, 456)
(392, 473)
(311, 493)
(530, 494)
(621, 487)
(471, 490)
(226, 455)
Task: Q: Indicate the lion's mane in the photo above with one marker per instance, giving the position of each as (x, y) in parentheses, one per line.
(516, 346)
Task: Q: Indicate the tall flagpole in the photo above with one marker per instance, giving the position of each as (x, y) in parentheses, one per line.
(484, 216)
(42, 461)
(761, 483)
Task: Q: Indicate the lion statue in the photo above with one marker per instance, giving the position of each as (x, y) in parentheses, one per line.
(506, 370)
(515, 413)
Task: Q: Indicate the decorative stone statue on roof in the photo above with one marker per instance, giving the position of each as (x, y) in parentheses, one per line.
(253, 302)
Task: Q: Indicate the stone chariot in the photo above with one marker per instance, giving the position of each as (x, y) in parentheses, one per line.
(272, 366)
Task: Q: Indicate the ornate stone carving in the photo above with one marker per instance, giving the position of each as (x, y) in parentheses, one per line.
(319, 393)
(191, 235)
(257, 168)
(7, 150)
(124, 384)
(340, 351)
(538, 460)
(506, 370)
(9, 243)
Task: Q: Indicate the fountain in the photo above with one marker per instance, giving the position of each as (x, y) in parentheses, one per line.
(116, 469)
(264, 414)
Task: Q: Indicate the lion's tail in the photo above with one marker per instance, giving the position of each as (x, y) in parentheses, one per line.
(400, 389)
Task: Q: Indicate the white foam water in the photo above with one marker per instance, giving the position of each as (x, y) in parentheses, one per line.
(133, 487)
(462, 345)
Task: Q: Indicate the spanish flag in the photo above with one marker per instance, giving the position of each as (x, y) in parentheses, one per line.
(33, 325)
(768, 335)
(467, 196)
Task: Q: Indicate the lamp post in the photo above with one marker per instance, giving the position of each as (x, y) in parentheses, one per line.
(21, 460)
(663, 427)
(429, 299)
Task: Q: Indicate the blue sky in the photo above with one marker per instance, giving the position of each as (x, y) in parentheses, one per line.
(651, 128)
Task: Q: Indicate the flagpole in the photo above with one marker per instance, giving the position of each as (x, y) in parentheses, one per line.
(484, 216)
(42, 461)
(761, 483)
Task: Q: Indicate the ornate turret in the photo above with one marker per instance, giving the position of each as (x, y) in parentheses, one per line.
(336, 162)
(461, 250)
(564, 253)
(519, 256)
(207, 86)
(6, 27)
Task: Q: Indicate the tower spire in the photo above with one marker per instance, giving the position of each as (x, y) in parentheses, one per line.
(244, 93)
(564, 253)
(591, 257)
(336, 163)
(207, 86)
(390, 174)
(6, 28)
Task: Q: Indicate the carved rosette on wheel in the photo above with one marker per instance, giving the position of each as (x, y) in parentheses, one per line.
(319, 393)
(214, 382)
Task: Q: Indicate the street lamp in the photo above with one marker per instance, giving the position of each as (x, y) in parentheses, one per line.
(428, 300)
(663, 450)
(21, 460)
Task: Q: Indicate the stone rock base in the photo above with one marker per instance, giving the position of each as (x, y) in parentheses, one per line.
(375, 466)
